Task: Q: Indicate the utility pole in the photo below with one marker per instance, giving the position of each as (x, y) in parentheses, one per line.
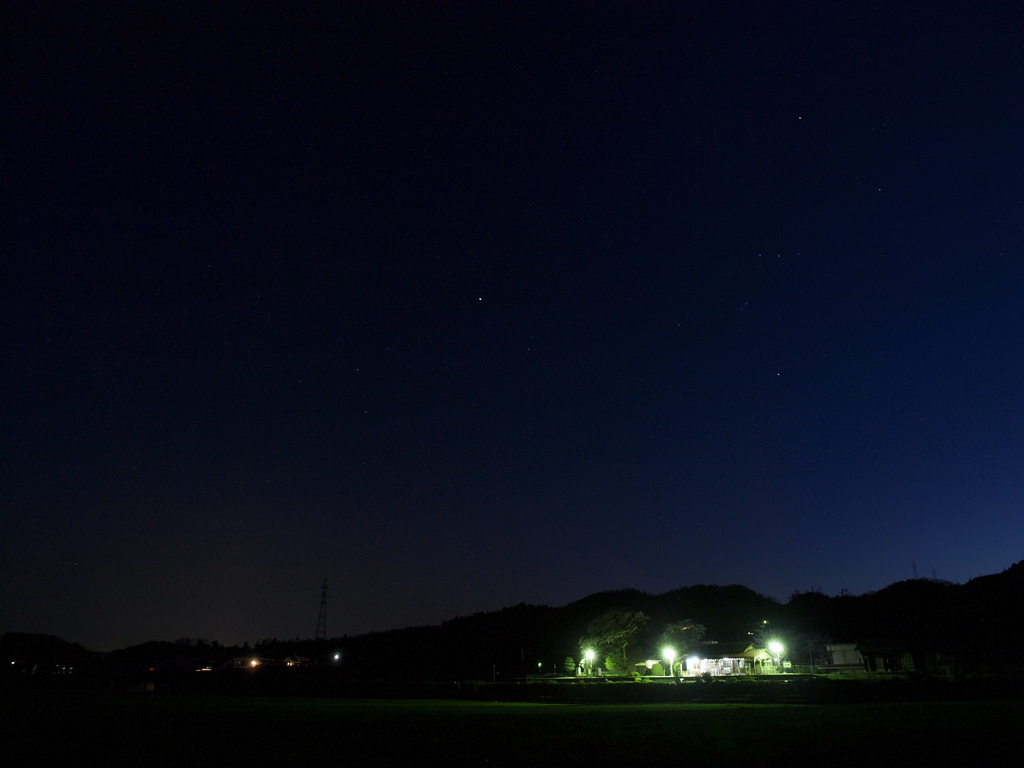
(321, 622)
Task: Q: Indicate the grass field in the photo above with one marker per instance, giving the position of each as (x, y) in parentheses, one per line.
(69, 729)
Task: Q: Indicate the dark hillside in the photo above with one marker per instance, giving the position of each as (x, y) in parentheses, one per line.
(941, 625)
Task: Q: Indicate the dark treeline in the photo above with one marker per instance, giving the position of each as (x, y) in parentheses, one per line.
(964, 628)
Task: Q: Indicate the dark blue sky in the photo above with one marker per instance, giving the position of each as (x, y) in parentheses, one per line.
(463, 305)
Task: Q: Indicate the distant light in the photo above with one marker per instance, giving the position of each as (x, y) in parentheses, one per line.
(589, 654)
(775, 647)
(253, 663)
(337, 656)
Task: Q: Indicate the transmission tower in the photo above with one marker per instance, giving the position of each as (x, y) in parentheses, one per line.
(321, 622)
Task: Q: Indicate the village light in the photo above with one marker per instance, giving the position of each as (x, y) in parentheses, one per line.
(776, 647)
(669, 654)
(589, 656)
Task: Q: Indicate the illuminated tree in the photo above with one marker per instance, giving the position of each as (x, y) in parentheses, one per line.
(681, 636)
(615, 632)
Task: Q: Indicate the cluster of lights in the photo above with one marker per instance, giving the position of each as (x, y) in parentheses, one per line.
(669, 655)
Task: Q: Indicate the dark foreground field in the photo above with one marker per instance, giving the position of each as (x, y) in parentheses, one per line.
(68, 729)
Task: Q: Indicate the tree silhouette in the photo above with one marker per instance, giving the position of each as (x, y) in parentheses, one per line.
(613, 633)
(680, 636)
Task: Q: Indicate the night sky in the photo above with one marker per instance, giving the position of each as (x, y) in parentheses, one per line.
(467, 304)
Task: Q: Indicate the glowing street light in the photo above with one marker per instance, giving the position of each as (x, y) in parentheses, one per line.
(589, 656)
(776, 647)
(669, 654)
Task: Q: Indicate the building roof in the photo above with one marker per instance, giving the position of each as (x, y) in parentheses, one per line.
(727, 651)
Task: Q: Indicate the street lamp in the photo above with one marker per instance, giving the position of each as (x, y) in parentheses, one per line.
(776, 647)
(589, 656)
(669, 654)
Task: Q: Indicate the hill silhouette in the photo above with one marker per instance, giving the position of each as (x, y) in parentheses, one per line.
(968, 627)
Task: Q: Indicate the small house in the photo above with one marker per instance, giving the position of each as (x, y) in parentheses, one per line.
(725, 659)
